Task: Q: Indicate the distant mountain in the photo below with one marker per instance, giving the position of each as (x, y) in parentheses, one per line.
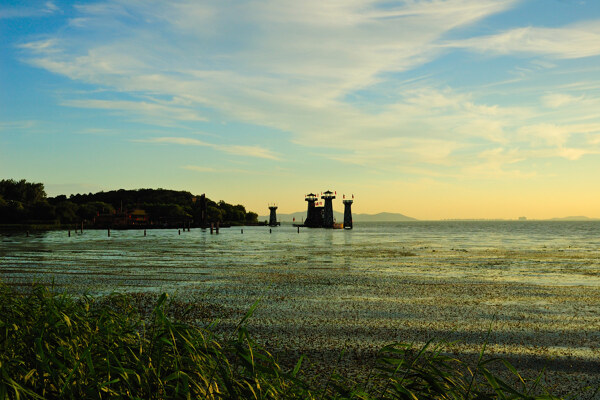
(574, 218)
(339, 216)
(395, 217)
(381, 217)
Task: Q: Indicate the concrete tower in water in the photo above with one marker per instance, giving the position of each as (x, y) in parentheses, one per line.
(273, 216)
(348, 213)
(312, 219)
(328, 196)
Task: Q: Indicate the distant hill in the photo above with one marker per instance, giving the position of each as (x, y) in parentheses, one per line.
(339, 216)
(574, 218)
(381, 217)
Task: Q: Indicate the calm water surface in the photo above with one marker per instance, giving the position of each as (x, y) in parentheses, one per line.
(557, 253)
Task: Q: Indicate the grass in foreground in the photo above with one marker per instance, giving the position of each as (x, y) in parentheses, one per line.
(58, 346)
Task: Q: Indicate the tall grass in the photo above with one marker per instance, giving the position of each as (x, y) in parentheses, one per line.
(58, 346)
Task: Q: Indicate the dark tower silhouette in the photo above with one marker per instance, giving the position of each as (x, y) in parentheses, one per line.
(311, 213)
(203, 211)
(348, 213)
(199, 211)
(328, 196)
(273, 216)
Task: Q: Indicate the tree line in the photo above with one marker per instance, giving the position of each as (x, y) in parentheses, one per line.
(26, 202)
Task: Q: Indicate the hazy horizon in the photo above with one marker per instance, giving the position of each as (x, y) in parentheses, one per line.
(435, 109)
(339, 213)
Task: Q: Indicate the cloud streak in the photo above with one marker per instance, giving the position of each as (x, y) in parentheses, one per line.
(37, 10)
(246, 151)
(576, 41)
(147, 108)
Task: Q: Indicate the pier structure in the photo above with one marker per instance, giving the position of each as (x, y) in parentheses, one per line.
(273, 216)
(348, 212)
(314, 214)
(328, 196)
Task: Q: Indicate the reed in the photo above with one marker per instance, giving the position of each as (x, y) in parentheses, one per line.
(56, 345)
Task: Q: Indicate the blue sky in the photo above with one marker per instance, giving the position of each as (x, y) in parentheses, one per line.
(432, 108)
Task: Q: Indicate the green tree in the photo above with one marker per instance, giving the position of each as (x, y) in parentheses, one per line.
(22, 191)
(251, 218)
(12, 212)
(176, 211)
(66, 211)
(88, 211)
(214, 214)
(42, 210)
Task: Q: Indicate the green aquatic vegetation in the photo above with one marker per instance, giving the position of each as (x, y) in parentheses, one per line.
(58, 346)
(55, 345)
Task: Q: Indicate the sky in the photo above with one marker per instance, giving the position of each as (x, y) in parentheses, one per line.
(434, 109)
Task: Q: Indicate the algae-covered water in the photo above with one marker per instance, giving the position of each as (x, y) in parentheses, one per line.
(536, 284)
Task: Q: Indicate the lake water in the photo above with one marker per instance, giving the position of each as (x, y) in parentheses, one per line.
(537, 284)
(556, 253)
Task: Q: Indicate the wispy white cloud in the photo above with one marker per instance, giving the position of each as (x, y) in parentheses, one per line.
(498, 163)
(143, 107)
(545, 134)
(175, 140)
(51, 7)
(576, 154)
(574, 41)
(247, 151)
(557, 100)
(17, 125)
(45, 46)
(29, 11)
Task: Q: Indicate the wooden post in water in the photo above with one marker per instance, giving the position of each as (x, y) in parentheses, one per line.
(218, 227)
(212, 226)
(269, 230)
(298, 229)
(179, 231)
(108, 232)
(242, 231)
(81, 226)
(69, 233)
(144, 232)
(27, 233)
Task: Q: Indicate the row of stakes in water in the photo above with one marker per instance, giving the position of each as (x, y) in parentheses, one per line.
(213, 229)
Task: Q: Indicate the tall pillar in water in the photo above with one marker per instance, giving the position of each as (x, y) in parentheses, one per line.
(348, 213)
(328, 196)
(273, 216)
(203, 211)
(311, 217)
